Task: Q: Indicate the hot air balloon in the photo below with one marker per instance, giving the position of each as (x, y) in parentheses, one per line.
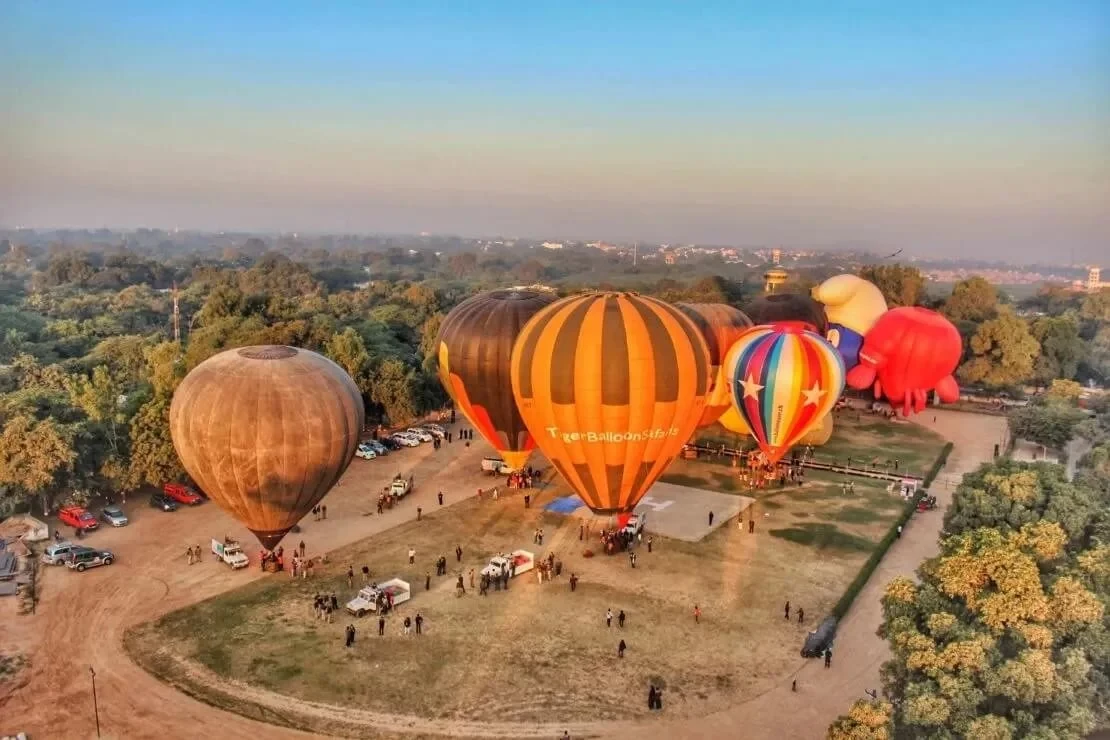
(611, 385)
(720, 325)
(265, 432)
(732, 421)
(475, 345)
(784, 381)
(910, 351)
(853, 305)
(776, 308)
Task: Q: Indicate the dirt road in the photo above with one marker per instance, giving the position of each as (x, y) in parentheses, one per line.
(82, 619)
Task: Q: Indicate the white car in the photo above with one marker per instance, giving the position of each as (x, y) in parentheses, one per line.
(435, 427)
(365, 452)
(405, 440)
(420, 434)
(437, 433)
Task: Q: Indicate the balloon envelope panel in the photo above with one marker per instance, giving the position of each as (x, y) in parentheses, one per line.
(265, 432)
(611, 386)
(720, 325)
(778, 307)
(475, 346)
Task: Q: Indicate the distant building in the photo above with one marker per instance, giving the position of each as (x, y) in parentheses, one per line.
(670, 257)
(772, 279)
(776, 255)
(552, 245)
(1094, 279)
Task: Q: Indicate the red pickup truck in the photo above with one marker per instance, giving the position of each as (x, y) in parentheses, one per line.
(182, 494)
(77, 517)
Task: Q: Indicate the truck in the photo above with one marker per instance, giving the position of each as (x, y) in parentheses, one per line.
(231, 553)
(372, 598)
(635, 524)
(519, 561)
(497, 466)
(401, 487)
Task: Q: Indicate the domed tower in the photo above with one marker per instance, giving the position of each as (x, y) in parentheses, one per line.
(772, 279)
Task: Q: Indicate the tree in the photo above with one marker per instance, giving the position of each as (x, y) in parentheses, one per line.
(348, 351)
(395, 389)
(1100, 354)
(33, 457)
(99, 397)
(900, 285)
(973, 299)
(866, 720)
(1061, 348)
(1002, 352)
(1051, 425)
(1096, 307)
(1064, 391)
(153, 459)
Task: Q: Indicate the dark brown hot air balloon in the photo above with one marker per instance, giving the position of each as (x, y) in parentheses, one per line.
(774, 308)
(720, 325)
(266, 431)
(611, 385)
(475, 346)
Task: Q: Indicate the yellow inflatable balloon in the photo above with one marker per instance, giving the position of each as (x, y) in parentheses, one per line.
(732, 421)
(820, 434)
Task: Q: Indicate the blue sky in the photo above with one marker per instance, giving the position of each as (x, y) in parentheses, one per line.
(941, 127)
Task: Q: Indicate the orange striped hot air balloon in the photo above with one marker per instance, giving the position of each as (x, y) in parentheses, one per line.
(611, 385)
(475, 345)
(720, 325)
(784, 381)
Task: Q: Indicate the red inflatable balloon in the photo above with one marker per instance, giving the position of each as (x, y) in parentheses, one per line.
(909, 351)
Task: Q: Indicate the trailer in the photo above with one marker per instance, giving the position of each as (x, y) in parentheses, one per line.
(497, 466)
(517, 562)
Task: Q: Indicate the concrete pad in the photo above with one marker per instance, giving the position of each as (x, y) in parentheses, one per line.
(682, 512)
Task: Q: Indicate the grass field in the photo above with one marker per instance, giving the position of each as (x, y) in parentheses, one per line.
(540, 652)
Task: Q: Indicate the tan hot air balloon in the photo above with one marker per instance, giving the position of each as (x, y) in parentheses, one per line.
(820, 434)
(611, 385)
(475, 345)
(266, 431)
(720, 325)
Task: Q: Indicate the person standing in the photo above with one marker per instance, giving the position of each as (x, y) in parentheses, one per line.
(711, 519)
(651, 698)
(350, 576)
(427, 581)
(365, 575)
(621, 648)
(381, 626)
(608, 617)
(786, 611)
(189, 554)
(419, 512)
(301, 548)
(350, 635)
(751, 526)
(620, 619)
(651, 541)
(801, 614)
(412, 555)
(324, 511)
(458, 556)
(697, 614)
(419, 623)
(440, 496)
(472, 578)
(828, 657)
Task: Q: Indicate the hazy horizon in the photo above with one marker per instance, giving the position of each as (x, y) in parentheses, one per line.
(943, 129)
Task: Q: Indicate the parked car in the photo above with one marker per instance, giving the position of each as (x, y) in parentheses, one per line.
(437, 427)
(366, 452)
(60, 552)
(377, 447)
(437, 433)
(182, 494)
(406, 440)
(114, 515)
(161, 501)
(421, 434)
(86, 559)
(78, 517)
(389, 444)
(820, 639)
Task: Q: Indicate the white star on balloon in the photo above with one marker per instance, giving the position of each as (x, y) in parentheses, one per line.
(813, 395)
(751, 388)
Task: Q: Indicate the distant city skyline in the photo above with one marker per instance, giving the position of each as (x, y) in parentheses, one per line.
(948, 129)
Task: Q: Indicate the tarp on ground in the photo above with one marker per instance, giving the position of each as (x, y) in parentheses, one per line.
(565, 505)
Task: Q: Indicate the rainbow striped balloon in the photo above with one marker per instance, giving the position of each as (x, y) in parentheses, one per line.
(784, 380)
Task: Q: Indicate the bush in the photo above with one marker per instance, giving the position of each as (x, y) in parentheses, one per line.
(857, 584)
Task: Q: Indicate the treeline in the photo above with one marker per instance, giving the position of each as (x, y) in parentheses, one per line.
(1006, 634)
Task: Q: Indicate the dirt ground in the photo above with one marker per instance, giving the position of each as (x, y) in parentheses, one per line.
(82, 620)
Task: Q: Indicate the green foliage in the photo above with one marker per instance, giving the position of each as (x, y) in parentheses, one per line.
(153, 460)
(823, 537)
(1003, 352)
(34, 455)
(1052, 425)
(938, 465)
(1062, 349)
(973, 299)
(900, 285)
